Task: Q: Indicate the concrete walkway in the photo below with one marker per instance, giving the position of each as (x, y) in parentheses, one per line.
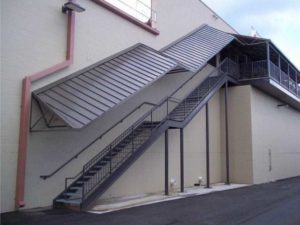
(114, 204)
(276, 203)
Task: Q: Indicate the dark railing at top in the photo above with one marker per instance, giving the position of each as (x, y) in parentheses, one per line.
(231, 68)
(259, 69)
(227, 65)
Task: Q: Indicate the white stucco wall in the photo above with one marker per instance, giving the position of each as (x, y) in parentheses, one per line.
(276, 139)
(34, 38)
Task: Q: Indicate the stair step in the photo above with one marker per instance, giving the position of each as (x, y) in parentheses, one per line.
(98, 167)
(75, 188)
(68, 201)
(72, 194)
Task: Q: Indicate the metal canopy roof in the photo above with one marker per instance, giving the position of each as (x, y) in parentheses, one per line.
(85, 95)
(197, 48)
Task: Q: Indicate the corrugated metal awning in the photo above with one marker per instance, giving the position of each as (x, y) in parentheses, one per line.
(195, 49)
(85, 95)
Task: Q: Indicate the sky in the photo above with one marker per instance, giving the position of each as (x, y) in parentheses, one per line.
(278, 20)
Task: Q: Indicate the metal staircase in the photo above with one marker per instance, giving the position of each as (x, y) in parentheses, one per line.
(104, 169)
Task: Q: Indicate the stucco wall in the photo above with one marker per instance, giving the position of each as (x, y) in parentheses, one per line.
(276, 139)
(33, 38)
(239, 134)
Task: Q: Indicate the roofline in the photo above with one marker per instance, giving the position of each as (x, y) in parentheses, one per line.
(219, 16)
(183, 37)
(61, 80)
(247, 36)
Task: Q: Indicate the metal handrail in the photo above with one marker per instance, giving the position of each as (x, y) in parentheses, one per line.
(98, 138)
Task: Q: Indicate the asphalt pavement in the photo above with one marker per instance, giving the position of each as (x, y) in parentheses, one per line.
(276, 203)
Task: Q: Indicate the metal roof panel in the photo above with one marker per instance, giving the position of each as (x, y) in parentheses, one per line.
(82, 97)
(195, 49)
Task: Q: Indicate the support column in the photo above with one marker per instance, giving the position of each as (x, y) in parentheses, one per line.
(218, 59)
(166, 163)
(207, 148)
(181, 161)
(226, 135)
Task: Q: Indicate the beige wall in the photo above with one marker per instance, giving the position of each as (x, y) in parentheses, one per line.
(276, 139)
(33, 38)
(264, 140)
(239, 133)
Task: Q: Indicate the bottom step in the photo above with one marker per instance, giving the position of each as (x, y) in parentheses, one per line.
(76, 202)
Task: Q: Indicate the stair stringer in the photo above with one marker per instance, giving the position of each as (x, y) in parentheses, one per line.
(156, 134)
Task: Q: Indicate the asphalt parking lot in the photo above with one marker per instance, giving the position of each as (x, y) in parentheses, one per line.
(276, 203)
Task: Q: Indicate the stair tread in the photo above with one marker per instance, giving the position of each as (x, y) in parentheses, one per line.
(69, 201)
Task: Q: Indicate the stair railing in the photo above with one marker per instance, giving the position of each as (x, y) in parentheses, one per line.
(96, 139)
(224, 69)
(153, 118)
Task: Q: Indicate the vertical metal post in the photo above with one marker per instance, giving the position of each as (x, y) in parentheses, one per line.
(181, 161)
(207, 148)
(184, 109)
(288, 73)
(110, 166)
(151, 120)
(132, 150)
(83, 184)
(226, 135)
(166, 163)
(167, 107)
(297, 87)
(218, 59)
(279, 65)
(268, 58)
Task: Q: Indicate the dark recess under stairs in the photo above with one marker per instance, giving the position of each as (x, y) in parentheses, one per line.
(104, 169)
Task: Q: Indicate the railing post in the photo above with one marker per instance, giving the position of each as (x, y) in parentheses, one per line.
(66, 183)
(167, 108)
(268, 58)
(151, 118)
(184, 109)
(83, 184)
(110, 163)
(132, 150)
(279, 66)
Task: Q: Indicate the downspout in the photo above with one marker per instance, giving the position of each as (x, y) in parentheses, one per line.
(25, 108)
